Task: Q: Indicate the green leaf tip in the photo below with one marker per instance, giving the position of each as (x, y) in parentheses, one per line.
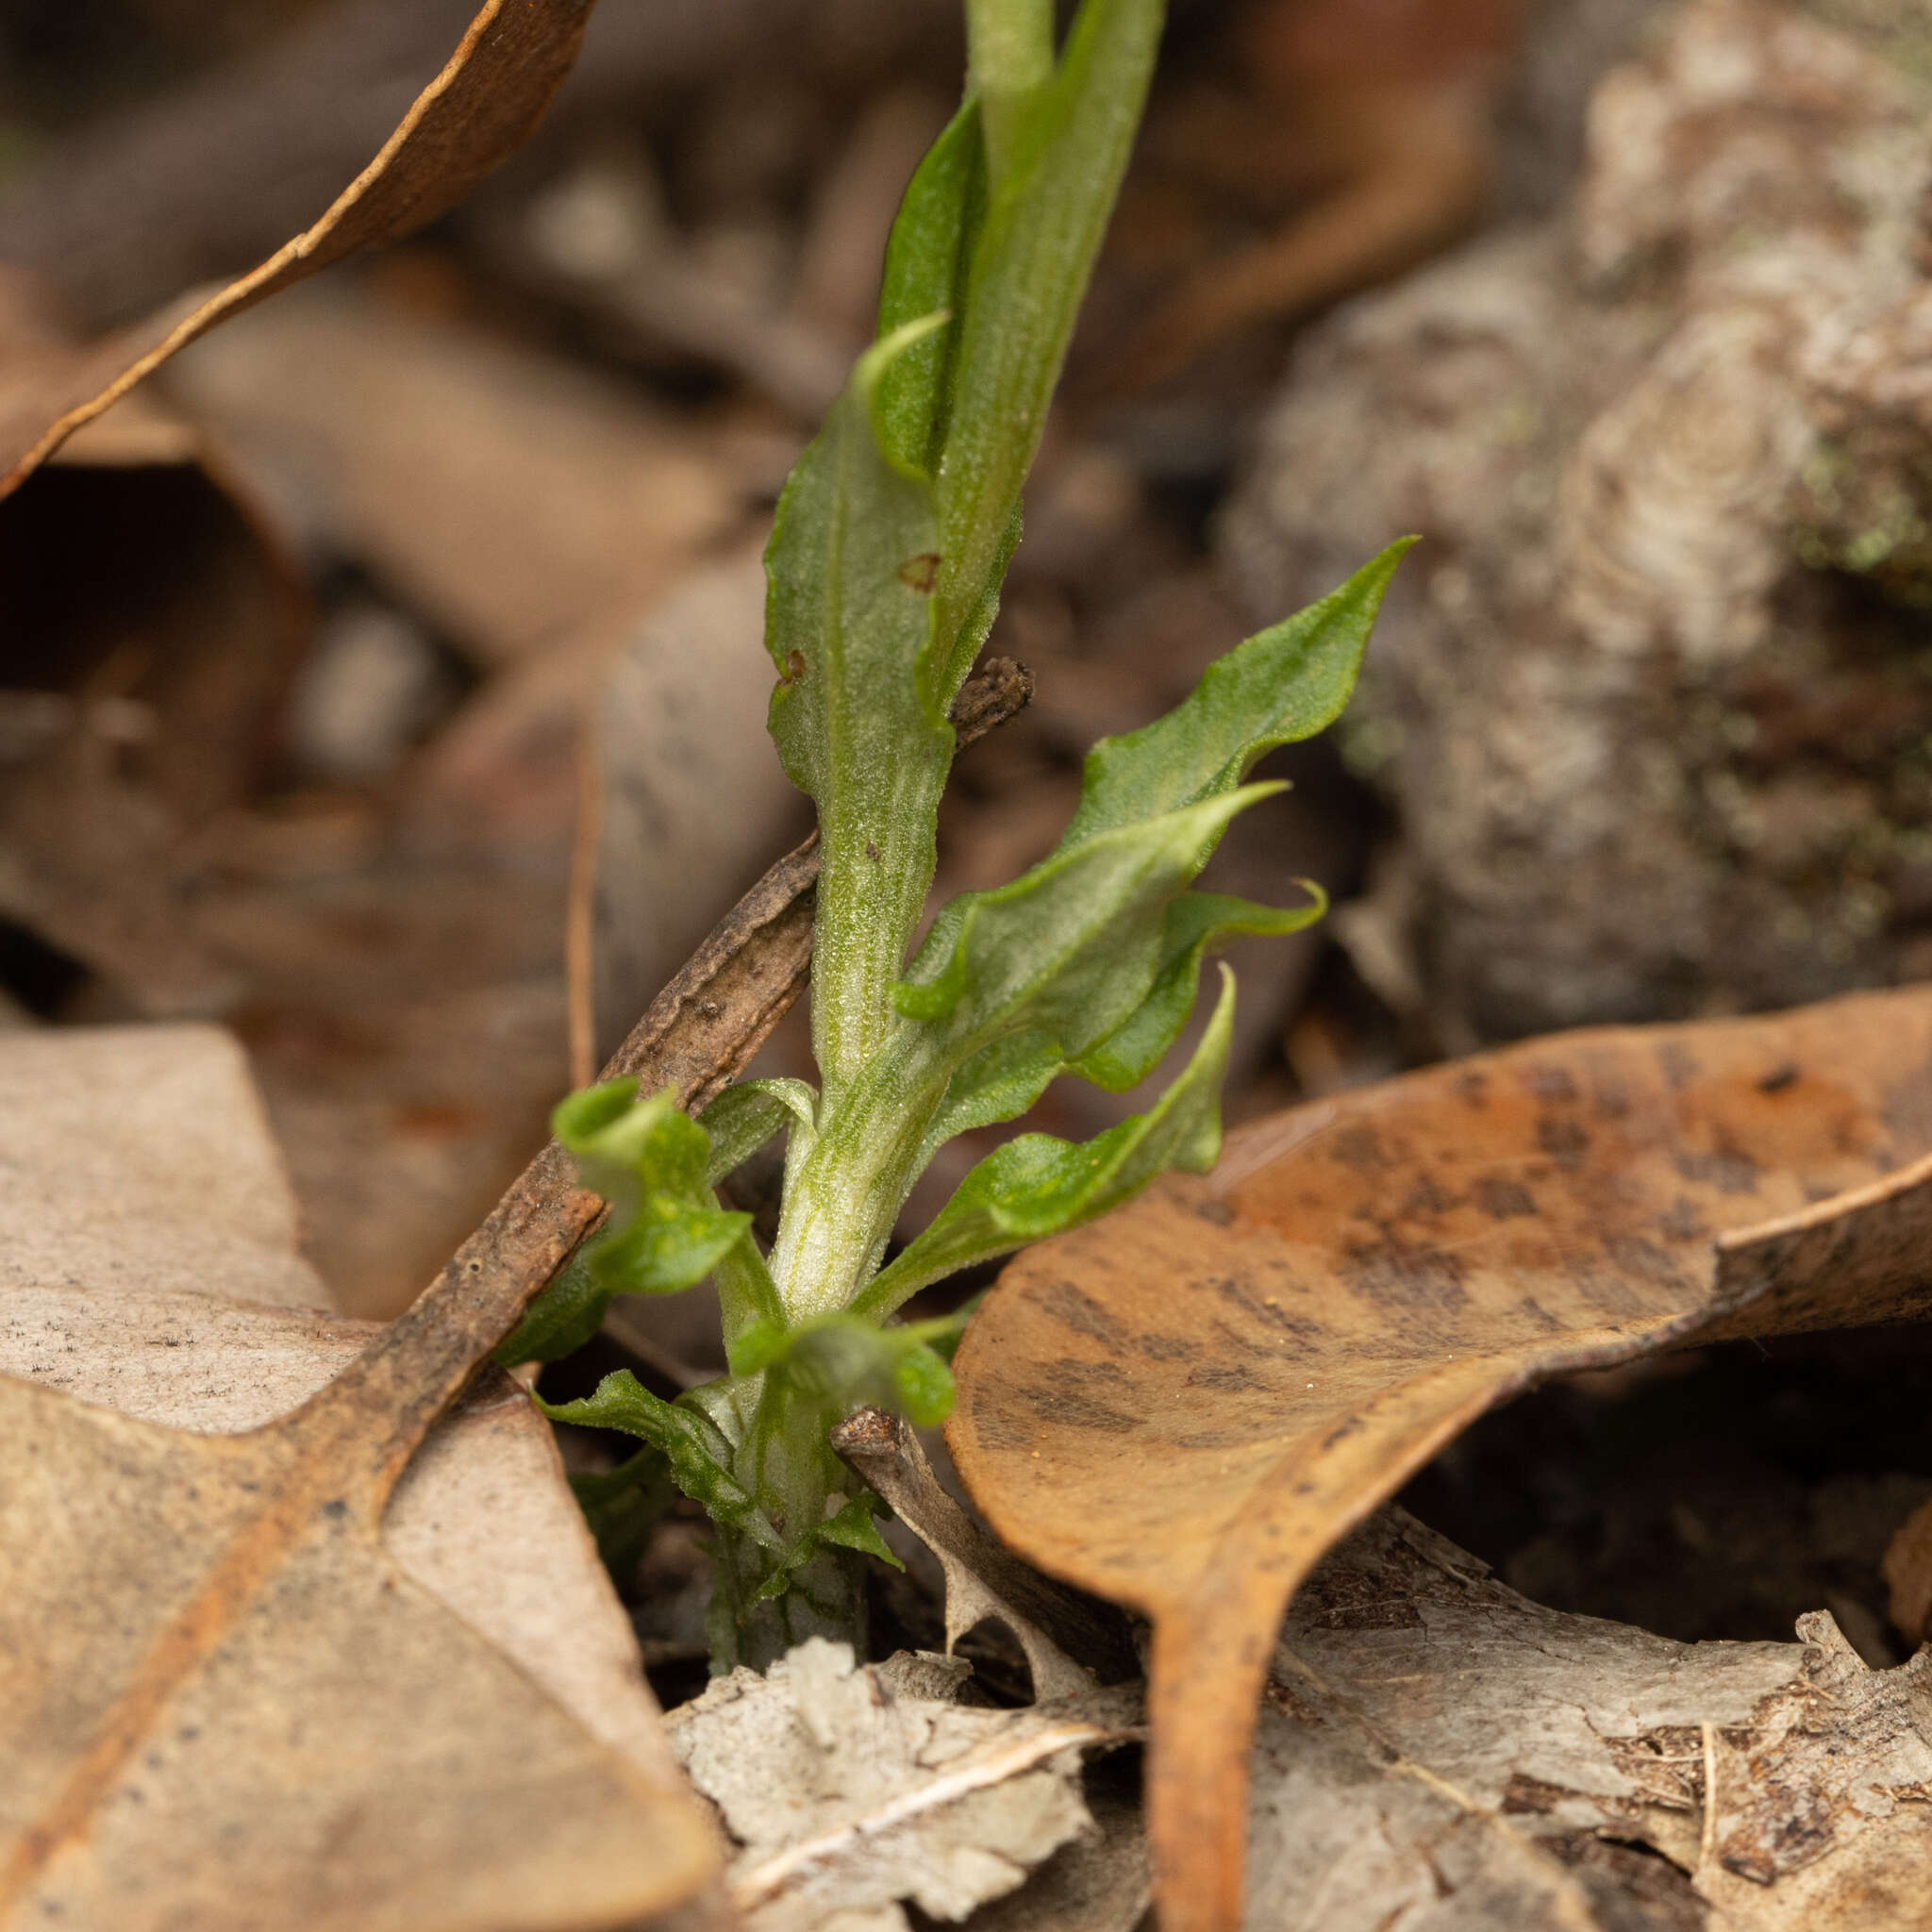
(665, 1233)
(1284, 684)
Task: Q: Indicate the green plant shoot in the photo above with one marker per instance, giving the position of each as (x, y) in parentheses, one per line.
(884, 570)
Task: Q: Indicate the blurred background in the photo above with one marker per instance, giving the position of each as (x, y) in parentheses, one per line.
(386, 682)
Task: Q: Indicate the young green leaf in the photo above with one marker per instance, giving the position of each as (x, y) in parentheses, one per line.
(843, 1361)
(744, 1116)
(928, 256)
(696, 1449)
(1008, 63)
(851, 569)
(666, 1231)
(1037, 1184)
(562, 1319)
(1063, 153)
(648, 1160)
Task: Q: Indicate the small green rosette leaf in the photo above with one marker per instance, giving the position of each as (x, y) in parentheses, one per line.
(1073, 947)
(745, 1116)
(697, 1451)
(666, 1231)
(839, 1362)
(1038, 1185)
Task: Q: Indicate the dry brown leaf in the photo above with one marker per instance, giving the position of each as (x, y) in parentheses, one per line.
(140, 1157)
(227, 1704)
(1280, 1346)
(478, 110)
(147, 1231)
(850, 1788)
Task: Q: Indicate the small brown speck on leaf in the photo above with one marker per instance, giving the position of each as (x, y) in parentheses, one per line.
(921, 572)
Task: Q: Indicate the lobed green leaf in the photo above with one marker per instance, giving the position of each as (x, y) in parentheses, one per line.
(1197, 923)
(852, 1528)
(1072, 948)
(1038, 1185)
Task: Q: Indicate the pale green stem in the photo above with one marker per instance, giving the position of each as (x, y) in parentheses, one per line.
(1009, 58)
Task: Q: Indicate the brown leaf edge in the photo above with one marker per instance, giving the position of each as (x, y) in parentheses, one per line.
(474, 114)
(1042, 1428)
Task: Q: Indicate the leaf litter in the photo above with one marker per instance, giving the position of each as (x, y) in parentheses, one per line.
(850, 1788)
(233, 1701)
(1288, 1338)
(1267, 1716)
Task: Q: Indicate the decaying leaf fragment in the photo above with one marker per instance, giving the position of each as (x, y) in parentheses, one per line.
(478, 110)
(1183, 1407)
(851, 1788)
(227, 1705)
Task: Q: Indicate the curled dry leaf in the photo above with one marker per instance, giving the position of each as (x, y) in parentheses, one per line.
(478, 110)
(227, 1705)
(1281, 1345)
(1054, 1624)
(852, 1788)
